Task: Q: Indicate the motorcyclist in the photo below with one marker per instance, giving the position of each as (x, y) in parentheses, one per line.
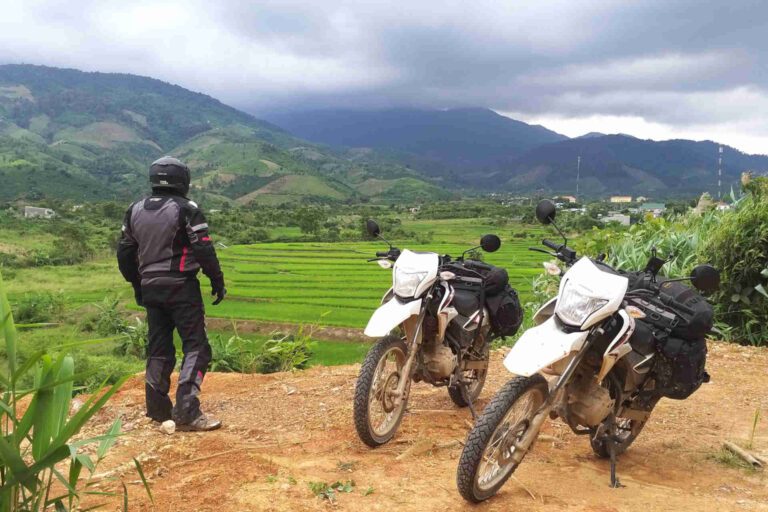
(164, 243)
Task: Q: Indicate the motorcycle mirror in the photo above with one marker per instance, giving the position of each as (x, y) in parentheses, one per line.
(490, 243)
(545, 211)
(372, 227)
(705, 278)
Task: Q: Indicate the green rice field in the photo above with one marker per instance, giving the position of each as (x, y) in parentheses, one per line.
(332, 284)
(300, 282)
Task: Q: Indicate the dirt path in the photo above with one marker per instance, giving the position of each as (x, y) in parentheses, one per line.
(284, 431)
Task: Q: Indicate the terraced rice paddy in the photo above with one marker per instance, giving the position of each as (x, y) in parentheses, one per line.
(331, 283)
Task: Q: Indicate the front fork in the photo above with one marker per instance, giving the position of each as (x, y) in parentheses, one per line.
(413, 334)
(523, 444)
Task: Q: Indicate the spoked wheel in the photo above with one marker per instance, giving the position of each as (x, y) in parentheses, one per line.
(487, 460)
(475, 380)
(377, 411)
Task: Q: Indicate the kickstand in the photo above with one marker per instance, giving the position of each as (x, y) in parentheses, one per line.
(615, 483)
(465, 392)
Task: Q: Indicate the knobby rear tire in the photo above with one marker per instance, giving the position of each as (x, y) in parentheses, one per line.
(481, 434)
(363, 391)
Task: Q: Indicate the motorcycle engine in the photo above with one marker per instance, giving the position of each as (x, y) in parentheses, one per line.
(439, 360)
(588, 403)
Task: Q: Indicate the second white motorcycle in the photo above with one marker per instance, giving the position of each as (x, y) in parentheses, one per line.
(435, 325)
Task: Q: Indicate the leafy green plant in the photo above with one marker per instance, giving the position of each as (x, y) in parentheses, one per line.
(234, 354)
(286, 352)
(133, 341)
(329, 491)
(738, 246)
(36, 438)
(38, 307)
(108, 320)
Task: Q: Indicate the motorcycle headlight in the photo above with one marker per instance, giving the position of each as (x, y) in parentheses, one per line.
(407, 281)
(574, 305)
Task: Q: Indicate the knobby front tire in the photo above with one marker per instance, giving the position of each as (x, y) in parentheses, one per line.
(506, 417)
(376, 417)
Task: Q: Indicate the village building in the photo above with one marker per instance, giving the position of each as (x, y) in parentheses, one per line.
(655, 209)
(621, 199)
(33, 212)
(621, 218)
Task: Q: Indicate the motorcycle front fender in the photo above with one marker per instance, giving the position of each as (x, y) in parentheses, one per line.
(390, 315)
(541, 346)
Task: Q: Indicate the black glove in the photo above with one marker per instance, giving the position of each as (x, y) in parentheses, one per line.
(218, 289)
(137, 294)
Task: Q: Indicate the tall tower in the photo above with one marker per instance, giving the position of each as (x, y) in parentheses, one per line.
(720, 174)
(578, 175)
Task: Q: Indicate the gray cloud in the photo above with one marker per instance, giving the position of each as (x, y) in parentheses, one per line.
(685, 64)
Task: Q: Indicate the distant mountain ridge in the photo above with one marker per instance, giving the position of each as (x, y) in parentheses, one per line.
(434, 141)
(68, 133)
(481, 149)
(621, 164)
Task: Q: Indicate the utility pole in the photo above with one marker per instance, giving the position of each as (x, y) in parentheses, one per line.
(720, 174)
(578, 175)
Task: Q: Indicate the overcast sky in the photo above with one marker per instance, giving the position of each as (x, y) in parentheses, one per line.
(654, 69)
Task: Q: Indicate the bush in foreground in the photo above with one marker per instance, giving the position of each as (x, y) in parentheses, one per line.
(738, 246)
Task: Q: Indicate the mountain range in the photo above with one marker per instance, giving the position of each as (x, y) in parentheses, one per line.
(478, 148)
(70, 134)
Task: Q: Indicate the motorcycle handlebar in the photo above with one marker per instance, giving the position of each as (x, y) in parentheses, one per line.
(382, 254)
(552, 245)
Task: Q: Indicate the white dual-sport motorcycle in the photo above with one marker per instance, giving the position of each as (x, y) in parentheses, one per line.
(433, 326)
(596, 359)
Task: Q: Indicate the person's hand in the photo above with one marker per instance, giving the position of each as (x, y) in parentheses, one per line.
(138, 295)
(219, 291)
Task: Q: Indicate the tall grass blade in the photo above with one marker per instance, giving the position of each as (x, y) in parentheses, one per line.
(144, 480)
(109, 439)
(8, 329)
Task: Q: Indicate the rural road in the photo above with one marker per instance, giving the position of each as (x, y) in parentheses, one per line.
(284, 431)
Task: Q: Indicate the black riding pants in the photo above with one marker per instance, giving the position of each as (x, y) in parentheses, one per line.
(175, 303)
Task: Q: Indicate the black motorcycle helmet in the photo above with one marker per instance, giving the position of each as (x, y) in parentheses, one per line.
(169, 173)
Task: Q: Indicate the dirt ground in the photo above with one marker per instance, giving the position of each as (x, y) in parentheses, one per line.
(284, 431)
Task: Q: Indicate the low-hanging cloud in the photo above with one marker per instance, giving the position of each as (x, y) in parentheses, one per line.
(688, 65)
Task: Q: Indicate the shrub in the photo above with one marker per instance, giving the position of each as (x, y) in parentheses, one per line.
(285, 352)
(738, 246)
(108, 320)
(71, 247)
(39, 307)
(133, 341)
(629, 249)
(37, 437)
(235, 354)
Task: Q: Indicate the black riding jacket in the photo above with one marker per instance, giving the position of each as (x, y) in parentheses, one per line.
(166, 235)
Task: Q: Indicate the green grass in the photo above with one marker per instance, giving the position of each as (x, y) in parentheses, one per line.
(297, 282)
(302, 282)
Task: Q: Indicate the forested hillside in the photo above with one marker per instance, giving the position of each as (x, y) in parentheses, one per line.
(481, 149)
(69, 134)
